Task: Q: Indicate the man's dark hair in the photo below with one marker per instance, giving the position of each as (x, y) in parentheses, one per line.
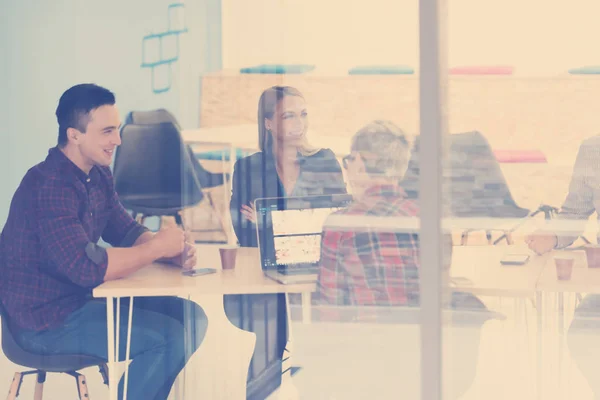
(74, 107)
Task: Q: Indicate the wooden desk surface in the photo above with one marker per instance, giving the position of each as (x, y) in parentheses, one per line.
(481, 266)
(165, 280)
(583, 279)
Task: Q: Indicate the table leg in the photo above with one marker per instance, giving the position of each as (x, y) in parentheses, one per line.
(306, 307)
(561, 313)
(223, 359)
(112, 360)
(561, 338)
(539, 347)
(287, 390)
(232, 157)
(231, 240)
(180, 382)
(128, 347)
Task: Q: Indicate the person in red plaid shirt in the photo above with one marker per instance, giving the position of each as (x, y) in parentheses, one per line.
(364, 266)
(369, 275)
(365, 259)
(50, 258)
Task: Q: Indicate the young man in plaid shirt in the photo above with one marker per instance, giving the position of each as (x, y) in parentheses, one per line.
(50, 259)
(367, 258)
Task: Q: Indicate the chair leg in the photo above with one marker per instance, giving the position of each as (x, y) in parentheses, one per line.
(81, 385)
(104, 372)
(463, 238)
(509, 238)
(39, 386)
(179, 220)
(15, 386)
(488, 236)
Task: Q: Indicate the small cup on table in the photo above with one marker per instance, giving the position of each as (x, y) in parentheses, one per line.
(228, 256)
(592, 255)
(564, 267)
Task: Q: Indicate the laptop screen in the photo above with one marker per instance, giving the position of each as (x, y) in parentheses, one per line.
(290, 229)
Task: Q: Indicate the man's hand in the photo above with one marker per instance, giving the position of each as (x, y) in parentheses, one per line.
(541, 241)
(170, 241)
(187, 259)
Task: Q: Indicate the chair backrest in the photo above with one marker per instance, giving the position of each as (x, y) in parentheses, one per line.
(151, 117)
(472, 179)
(161, 115)
(153, 169)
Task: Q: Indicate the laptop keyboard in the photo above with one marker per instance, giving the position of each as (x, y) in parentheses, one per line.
(298, 271)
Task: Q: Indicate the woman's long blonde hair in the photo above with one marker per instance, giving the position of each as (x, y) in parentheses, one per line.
(266, 109)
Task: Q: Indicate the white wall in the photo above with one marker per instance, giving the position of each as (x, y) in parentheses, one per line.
(538, 37)
(48, 46)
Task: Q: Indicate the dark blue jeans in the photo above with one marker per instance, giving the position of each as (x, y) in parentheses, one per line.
(158, 346)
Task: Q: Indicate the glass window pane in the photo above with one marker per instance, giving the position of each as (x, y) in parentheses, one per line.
(520, 175)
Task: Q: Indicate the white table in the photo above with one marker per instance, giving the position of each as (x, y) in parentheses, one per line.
(474, 269)
(481, 265)
(583, 280)
(226, 351)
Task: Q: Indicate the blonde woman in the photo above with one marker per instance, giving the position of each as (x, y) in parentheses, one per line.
(286, 165)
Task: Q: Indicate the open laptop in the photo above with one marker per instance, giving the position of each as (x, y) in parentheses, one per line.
(289, 234)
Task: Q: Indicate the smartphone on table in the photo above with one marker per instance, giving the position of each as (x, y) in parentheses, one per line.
(199, 272)
(514, 259)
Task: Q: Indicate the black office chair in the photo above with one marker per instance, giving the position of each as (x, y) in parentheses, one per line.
(42, 364)
(151, 117)
(207, 179)
(153, 173)
(473, 184)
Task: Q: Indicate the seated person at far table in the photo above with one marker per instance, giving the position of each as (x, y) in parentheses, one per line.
(582, 200)
(287, 164)
(368, 286)
(50, 260)
(369, 265)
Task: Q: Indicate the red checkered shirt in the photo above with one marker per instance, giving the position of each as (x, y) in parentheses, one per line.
(49, 257)
(368, 266)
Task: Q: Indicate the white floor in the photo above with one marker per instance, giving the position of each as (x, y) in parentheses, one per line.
(506, 365)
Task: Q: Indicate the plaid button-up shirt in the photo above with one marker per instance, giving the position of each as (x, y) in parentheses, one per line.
(49, 257)
(367, 266)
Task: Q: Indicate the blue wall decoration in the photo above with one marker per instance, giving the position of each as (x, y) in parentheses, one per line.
(166, 42)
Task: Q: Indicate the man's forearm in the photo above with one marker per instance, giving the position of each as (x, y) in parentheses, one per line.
(124, 261)
(144, 238)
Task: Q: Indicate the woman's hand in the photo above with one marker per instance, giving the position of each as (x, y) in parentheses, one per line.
(248, 213)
